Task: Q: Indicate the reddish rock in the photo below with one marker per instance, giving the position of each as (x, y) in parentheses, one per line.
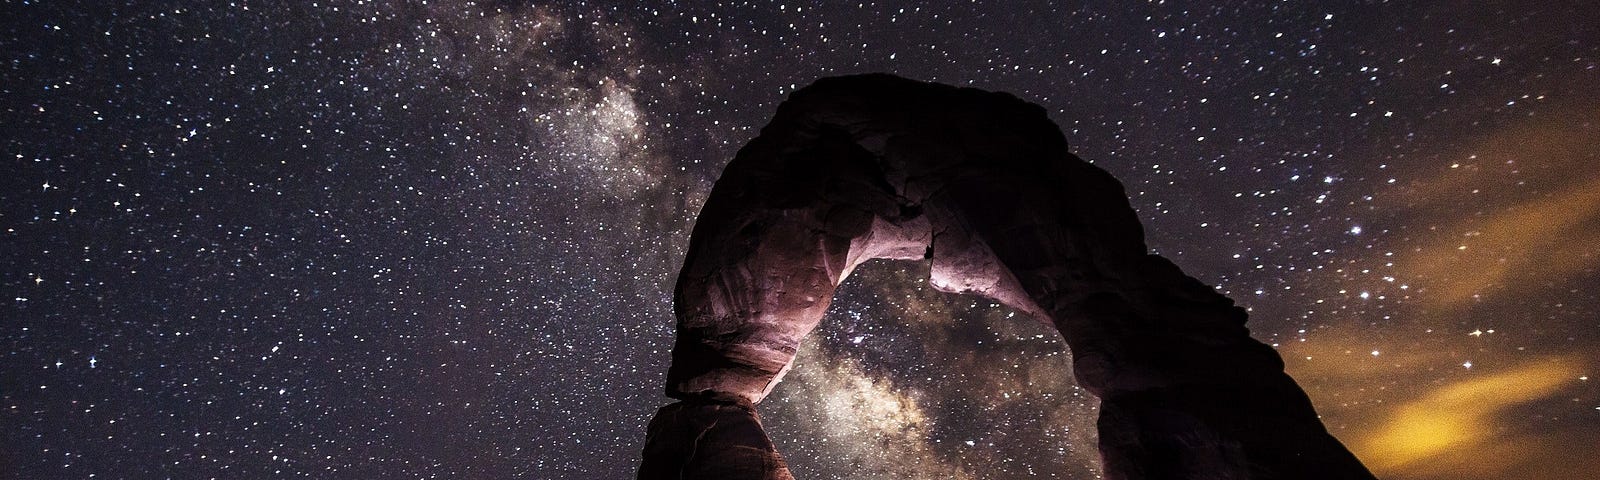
(713, 440)
(981, 183)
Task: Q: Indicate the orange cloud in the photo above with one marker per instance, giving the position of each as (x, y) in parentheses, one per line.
(1522, 207)
(1455, 430)
(1549, 238)
(1417, 412)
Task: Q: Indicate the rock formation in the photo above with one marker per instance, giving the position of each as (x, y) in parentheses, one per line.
(980, 183)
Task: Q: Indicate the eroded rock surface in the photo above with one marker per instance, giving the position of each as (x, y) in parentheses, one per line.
(710, 440)
(980, 183)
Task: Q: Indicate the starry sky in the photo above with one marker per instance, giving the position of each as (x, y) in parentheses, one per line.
(358, 239)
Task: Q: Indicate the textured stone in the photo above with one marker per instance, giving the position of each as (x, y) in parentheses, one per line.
(981, 183)
(710, 440)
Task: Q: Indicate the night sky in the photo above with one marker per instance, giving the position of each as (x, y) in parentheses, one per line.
(437, 239)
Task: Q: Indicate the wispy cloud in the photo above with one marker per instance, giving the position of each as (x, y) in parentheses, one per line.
(1459, 429)
(1499, 222)
(1519, 208)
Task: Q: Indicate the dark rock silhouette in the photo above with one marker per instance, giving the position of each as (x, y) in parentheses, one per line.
(877, 166)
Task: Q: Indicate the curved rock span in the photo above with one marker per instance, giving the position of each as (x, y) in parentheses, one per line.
(980, 183)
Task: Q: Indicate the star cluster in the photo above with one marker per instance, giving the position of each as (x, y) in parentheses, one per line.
(437, 239)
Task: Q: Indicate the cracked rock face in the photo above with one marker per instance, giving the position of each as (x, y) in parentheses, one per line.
(980, 183)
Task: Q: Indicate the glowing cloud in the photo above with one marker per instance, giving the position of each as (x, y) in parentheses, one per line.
(1496, 240)
(1407, 419)
(1547, 237)
(1456, 429)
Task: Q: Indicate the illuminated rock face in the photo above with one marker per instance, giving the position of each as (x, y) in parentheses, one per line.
(980, 183)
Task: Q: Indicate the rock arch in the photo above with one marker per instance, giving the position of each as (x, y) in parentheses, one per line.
(982, 184)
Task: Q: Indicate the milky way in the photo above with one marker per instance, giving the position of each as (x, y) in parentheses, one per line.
(437, 239)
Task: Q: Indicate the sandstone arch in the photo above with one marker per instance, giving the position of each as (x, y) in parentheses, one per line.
(877, 166)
